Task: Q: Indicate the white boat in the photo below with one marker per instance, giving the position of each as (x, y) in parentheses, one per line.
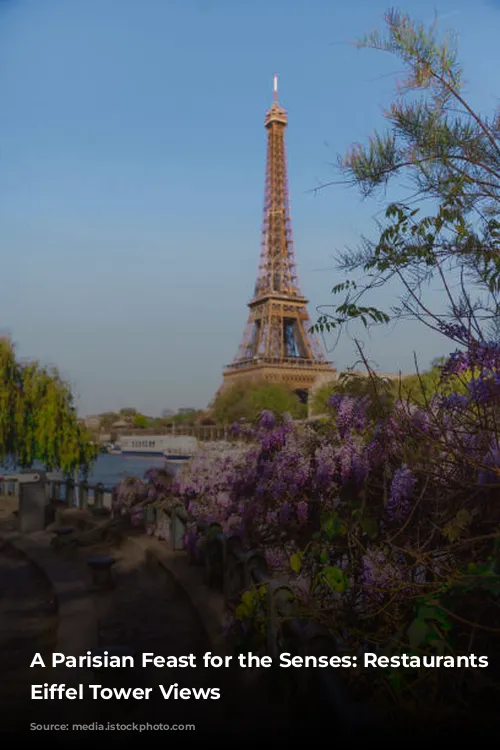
(175, 448)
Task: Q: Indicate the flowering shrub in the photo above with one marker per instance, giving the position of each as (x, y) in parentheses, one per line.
(130, 493)
(133, 497)
(376, 522)
(386, 528)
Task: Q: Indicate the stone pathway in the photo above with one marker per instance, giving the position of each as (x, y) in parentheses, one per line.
(145, 611)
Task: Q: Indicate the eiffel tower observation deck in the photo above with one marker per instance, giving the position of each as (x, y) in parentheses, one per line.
(277, 345)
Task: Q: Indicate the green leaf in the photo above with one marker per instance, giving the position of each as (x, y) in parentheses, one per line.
(333, 527)
(296, 563)
(417, 633)
(334, 577)
(241, 612)
(248, 598)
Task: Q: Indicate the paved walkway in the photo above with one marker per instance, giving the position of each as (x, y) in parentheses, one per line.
(146, 611)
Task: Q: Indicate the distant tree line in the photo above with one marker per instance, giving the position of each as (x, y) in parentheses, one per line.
(248, 398)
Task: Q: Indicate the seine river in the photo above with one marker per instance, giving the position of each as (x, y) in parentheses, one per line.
(110, 469)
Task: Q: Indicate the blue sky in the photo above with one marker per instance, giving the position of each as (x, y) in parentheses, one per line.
(132, 153)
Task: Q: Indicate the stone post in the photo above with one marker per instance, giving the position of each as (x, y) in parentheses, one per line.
(84, 495)
(99, 496)
(33, 503)
(70, 492)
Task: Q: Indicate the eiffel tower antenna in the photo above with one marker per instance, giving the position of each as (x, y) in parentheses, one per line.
(277, 345)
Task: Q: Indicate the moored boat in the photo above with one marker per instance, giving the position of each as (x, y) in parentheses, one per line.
(175, 448)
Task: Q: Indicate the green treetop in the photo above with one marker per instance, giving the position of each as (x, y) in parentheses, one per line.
(246, 399)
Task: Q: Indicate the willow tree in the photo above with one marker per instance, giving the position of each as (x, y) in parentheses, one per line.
(38, 420)
(446, 230)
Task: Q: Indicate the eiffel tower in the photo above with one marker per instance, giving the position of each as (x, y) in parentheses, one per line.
(277, 345)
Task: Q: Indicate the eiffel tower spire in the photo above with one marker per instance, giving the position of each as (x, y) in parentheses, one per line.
(277, 345)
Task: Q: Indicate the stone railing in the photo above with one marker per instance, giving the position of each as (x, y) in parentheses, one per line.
(40, 494)
(167, 524)
(73, 494)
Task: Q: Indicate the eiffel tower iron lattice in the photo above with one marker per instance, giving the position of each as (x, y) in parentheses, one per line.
(277, 345)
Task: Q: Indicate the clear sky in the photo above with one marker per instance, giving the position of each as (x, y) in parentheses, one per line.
(132, 153)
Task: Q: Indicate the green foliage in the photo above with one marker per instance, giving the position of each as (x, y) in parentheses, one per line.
(335, 579)
(448, 153)
(321, 396)
(431, 626)
(418, 388)
(380, 391)
(296, 563)
(251, 612)
(38, 421)
(140, 421)
(248, 398)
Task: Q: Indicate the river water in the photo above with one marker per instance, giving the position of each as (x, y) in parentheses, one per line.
(109, 470)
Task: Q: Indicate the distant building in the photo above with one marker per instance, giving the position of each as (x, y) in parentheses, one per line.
(120, 424)
(92, 422)
(185, 410)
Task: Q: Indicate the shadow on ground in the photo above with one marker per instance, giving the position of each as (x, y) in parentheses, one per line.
(144, 611)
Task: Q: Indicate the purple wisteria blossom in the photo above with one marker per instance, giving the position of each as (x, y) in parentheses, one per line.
(485, 388)
(454, 401)
(353, 461)
(479, 355)
(275, 439)
(129, 492)
(326, 466)
(402, 488)
(456, 331)
(351, 413)
(285, 512)
(267, 420)
(376, 451)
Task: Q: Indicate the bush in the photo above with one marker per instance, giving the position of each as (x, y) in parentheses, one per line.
(246, 399)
